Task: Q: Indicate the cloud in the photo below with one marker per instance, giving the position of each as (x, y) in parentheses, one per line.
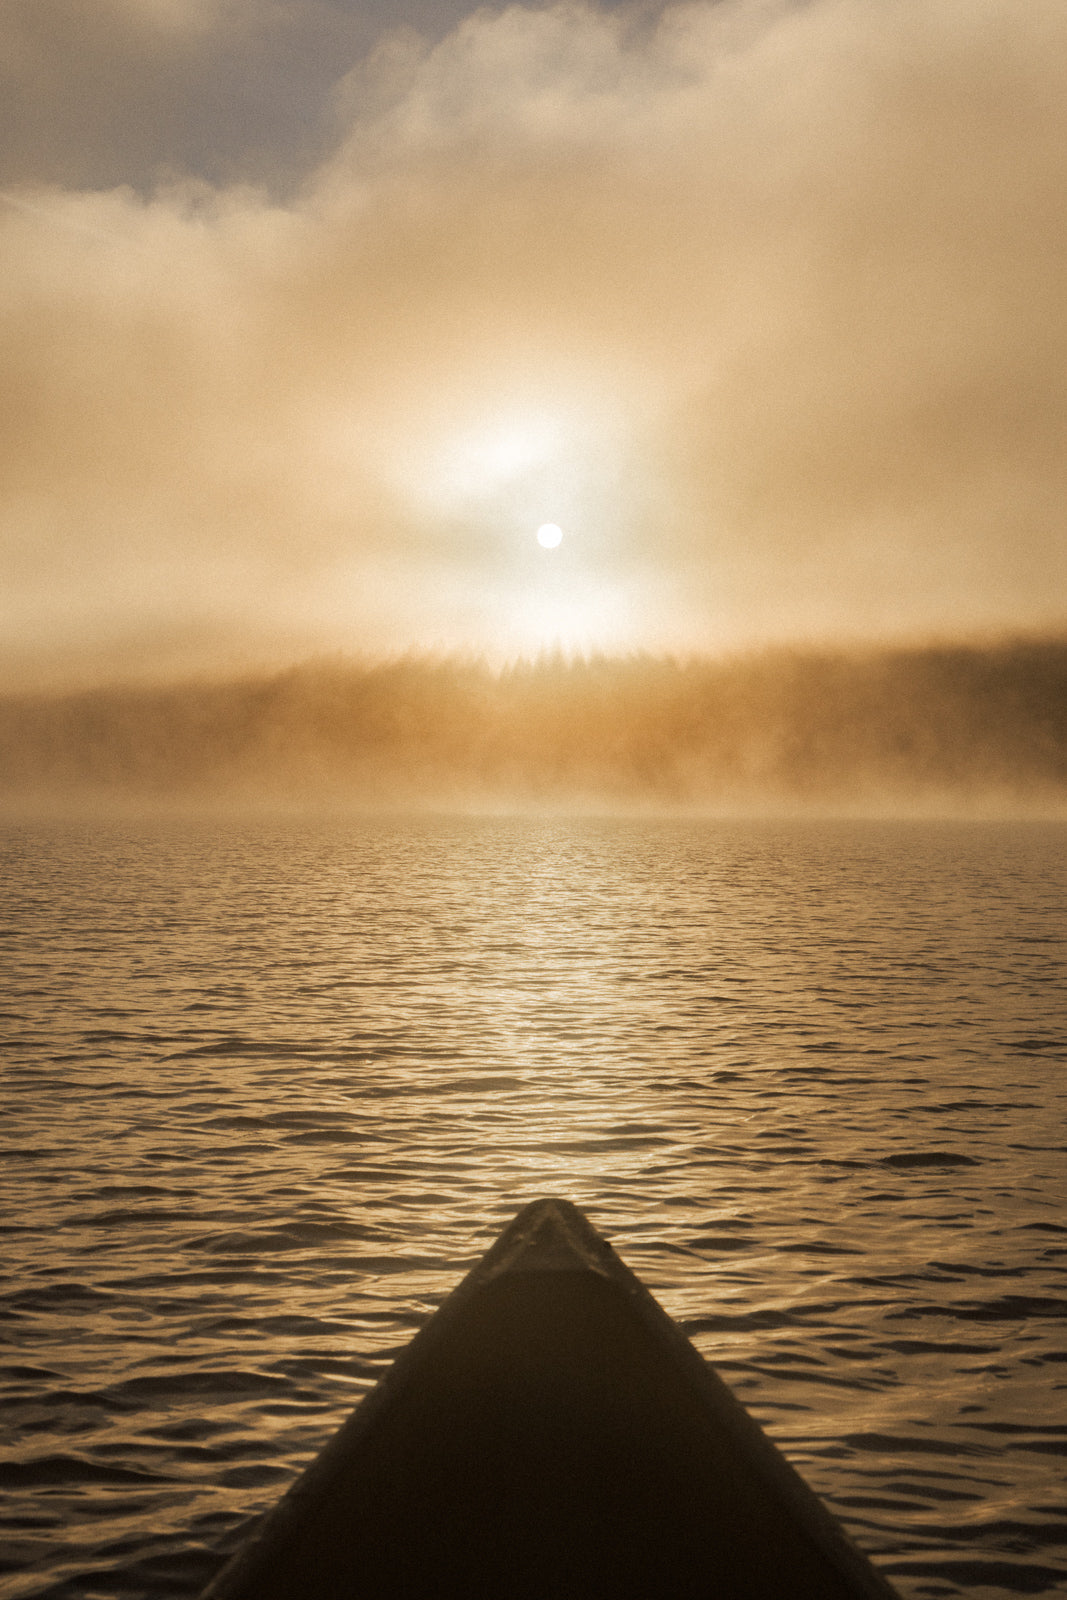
(764, 304)
(139, 91)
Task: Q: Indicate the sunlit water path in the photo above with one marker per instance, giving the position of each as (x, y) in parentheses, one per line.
(271, 1087)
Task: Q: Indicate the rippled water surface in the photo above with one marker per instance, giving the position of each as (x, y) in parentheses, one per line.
(271, 1087)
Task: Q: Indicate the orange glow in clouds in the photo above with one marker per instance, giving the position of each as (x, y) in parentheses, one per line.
(762, 306)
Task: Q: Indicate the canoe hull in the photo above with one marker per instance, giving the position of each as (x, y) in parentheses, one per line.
(551, 1433)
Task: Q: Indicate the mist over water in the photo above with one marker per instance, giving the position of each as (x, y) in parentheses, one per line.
(274, 1086)
(961, 729)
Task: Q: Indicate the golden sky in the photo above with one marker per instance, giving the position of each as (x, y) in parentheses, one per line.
(312, 317)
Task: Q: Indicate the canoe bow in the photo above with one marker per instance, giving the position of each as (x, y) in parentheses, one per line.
(550, 1434)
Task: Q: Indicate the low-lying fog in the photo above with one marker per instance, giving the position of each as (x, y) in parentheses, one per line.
(966, 729)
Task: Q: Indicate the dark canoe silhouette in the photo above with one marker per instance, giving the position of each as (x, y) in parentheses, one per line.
(550, 1434)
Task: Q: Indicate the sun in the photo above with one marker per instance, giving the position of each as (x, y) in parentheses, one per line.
(527, 507)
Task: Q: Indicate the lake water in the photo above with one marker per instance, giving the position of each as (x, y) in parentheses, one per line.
(271, 1087)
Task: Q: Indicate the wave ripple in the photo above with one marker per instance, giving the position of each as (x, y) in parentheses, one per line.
(272, 1088)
